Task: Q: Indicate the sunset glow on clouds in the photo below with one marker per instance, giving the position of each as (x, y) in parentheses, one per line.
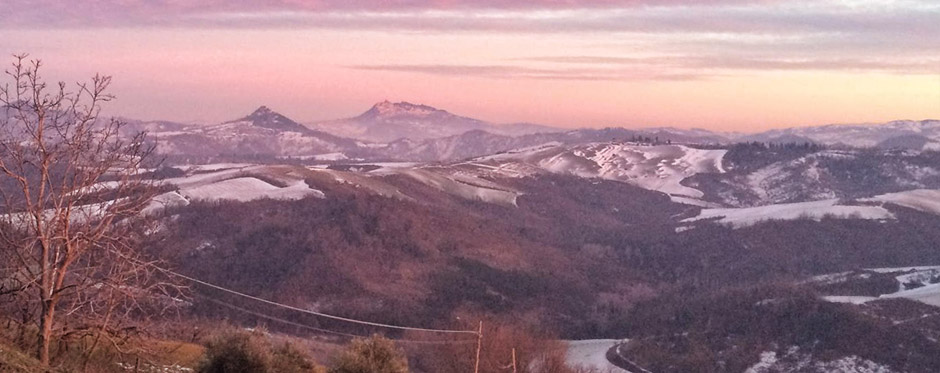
(728, 65)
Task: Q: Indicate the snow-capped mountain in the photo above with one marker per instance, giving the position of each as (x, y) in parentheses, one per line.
(387, 121)
(263, 132)
(267, 118)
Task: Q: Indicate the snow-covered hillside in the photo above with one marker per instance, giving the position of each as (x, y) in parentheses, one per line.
(925, 200)
(235, 183)
(656, 167)
(816, 210)
(864, 208)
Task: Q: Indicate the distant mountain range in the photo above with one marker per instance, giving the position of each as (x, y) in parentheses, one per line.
(263, 132)
(387, 121)
(410, 132)
(903, 134)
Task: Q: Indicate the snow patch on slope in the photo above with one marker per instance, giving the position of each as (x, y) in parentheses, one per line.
(850, 299)
(247, 189)
(659, 168)
(925, 200)
(465, 186)
(796, 361)
(922, 276)
(236, 184)
(655, 167)
(929, 294)
(816, 210)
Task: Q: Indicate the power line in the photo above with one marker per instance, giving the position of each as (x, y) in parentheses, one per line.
(269, 317)
(340, 318)
(288, 322)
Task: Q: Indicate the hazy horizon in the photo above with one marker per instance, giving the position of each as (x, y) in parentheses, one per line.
(240, 113)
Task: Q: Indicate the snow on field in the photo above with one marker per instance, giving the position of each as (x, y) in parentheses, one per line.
(929, 294)
(591, 354)
(372, 145)
(655, 167)
(247, 189)
(853, 299)
(163, 201)
(773, 183)
(241, 183)
(904, 269)
(926, 200)
(78, 214)
(911, 275)
(816, 210)
(835, 278)
(693, 202)
(795, 360)
(389, 166)
(198, 179)
(318, 157)
(660, 167)
(330, 157)
(523, 154)
(923, 277)
(214, 166)
(464, 186)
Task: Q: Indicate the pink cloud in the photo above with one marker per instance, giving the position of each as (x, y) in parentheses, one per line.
(45, 13)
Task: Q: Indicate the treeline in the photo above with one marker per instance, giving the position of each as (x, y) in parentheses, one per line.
(750, 156)
(726, 331)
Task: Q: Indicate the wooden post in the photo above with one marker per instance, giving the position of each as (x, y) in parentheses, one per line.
(514, 360)
(476, 369)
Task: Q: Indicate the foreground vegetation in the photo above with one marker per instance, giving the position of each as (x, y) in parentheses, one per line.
(231, 349)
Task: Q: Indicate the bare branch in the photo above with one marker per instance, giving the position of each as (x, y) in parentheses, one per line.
(70, 195)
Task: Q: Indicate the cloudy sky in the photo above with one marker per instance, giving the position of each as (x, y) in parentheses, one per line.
(719, 64)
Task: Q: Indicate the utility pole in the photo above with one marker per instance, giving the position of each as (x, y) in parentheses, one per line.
(476, 369)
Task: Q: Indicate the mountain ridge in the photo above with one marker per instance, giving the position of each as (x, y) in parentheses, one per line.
(418, 132)
(388, 121)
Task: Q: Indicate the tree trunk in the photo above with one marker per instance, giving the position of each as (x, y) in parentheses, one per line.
(46, 320)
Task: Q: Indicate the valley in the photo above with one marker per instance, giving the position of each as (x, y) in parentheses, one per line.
(457, 186)
(584, 235)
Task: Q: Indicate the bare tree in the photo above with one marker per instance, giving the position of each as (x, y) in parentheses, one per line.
(70, 185)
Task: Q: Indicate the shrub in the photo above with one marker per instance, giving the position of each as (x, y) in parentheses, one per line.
(289, 359)
(237, 352)
(373, 355)
(251, 352)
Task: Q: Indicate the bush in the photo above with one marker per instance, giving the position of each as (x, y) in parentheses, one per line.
(289, 359)
(251, 352)
(374, 355)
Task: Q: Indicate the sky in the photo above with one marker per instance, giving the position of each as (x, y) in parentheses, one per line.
(728, 65)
